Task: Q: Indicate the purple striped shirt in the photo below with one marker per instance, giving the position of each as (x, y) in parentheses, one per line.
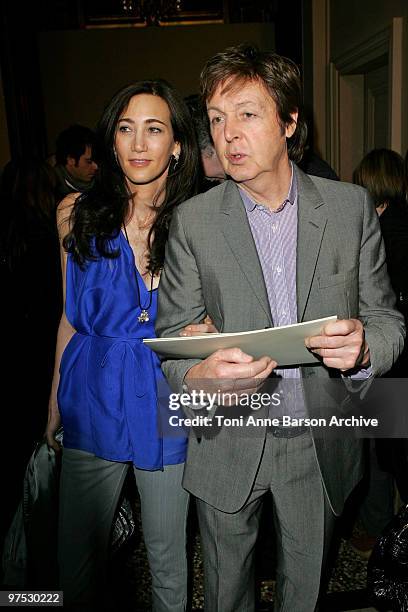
(275, 236)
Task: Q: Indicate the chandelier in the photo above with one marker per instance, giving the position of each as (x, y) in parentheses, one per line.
(151, 12)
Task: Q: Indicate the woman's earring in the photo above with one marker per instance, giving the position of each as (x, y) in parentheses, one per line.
(176, 159)
(116, 155)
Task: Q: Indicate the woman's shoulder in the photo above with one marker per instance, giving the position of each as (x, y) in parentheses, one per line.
(68, 202)
(64, 210)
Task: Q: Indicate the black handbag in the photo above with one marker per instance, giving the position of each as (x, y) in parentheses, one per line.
(30, 546)
(387, 570)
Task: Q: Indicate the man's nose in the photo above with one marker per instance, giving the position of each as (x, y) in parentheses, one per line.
(231, 129)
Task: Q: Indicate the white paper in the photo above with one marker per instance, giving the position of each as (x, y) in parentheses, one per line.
(286, 344)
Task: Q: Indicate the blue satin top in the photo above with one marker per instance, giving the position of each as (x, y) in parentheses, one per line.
(108, 378)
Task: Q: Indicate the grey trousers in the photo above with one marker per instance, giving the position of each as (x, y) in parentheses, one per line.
(89, 493)
(377, 507)
(303, 523)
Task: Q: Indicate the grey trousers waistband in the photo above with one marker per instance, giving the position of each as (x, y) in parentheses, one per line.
(287, 432)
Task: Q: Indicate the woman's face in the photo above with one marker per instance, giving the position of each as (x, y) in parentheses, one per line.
(144, 141)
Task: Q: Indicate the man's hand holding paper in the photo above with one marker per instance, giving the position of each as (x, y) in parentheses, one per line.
(341, 345)
(230, 370)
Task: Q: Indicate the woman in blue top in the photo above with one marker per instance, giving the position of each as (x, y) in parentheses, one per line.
(104, 386)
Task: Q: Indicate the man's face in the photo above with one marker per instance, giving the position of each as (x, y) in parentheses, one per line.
(248, 137)
(213, 168)
(85, 168)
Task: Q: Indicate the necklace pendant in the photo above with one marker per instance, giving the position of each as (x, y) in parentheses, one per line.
(143, 317)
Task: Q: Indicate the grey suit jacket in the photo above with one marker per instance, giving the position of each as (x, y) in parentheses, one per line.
(212, 267)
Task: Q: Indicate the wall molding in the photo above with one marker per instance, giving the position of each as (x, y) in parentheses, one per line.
(397, 76)
(333, 115)
(357, 60)
(365, 53)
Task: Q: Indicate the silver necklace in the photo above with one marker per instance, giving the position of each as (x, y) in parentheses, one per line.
(144, 316)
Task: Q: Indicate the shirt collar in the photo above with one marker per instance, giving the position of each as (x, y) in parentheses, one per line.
(250, 204)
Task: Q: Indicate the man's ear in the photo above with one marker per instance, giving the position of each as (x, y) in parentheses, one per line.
(71, 162)
(291, 127)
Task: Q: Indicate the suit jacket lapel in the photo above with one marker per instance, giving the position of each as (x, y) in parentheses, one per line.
(235, 227)
(311, 226)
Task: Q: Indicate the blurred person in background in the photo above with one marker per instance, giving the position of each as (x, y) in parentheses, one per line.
(382, 173)
(31, 309)
(210, 164)
(75, 160)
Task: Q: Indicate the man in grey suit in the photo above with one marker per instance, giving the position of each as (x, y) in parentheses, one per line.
(272, 246)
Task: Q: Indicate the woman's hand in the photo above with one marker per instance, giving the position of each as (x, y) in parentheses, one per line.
(54, 422)
(206, 327)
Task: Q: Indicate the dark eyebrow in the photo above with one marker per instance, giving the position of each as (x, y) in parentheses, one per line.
(156, 121)
(244, 103)
(152, 120)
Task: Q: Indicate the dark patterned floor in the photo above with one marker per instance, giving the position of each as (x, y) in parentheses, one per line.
(132, 581)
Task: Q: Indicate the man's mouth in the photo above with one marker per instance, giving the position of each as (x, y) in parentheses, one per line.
(235, 157)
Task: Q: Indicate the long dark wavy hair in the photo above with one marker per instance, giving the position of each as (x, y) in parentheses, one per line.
(99, 214)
